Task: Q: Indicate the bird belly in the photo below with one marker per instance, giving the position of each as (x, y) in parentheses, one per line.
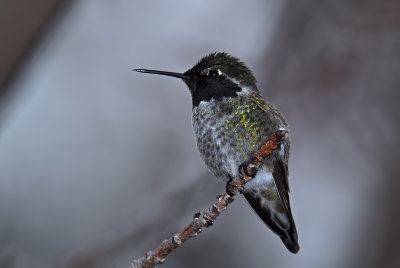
(217, 154)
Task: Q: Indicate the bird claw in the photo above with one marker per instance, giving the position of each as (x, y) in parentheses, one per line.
(248, 170)
(230, 189)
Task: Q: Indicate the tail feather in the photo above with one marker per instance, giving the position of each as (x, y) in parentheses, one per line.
(290, 241)
(265, 198)
(288, 236)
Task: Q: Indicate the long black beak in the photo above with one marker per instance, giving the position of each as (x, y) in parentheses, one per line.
(178, 75)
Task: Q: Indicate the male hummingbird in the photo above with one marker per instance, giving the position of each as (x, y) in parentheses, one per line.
(231, 121)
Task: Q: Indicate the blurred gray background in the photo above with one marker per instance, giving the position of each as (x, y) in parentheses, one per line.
(99, 164)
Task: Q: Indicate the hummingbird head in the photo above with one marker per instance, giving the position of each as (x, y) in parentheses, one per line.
(215, 76)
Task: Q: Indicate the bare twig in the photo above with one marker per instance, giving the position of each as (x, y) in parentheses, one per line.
(206, 219)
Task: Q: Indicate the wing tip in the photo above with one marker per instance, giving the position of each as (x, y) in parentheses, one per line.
(291, 243)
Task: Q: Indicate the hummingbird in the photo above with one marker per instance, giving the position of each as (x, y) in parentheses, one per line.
(231, 121)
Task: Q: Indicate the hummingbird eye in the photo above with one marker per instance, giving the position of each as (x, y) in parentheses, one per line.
(211, 72)
(214, 73)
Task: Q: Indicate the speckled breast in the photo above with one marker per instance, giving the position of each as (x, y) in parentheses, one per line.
(228, 131)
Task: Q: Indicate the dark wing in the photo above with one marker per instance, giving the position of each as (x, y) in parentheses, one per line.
(283, 165)
(268, 196)
(267, 107)
(281, 181)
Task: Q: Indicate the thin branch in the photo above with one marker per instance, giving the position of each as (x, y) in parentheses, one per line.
(206, 219)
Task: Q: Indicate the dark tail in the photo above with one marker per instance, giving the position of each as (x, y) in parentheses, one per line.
(288, 236)
(290, 241)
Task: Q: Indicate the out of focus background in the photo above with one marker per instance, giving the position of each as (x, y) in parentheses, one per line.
(98, 164)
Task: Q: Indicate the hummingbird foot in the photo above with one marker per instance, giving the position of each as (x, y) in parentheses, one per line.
(248, 170)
